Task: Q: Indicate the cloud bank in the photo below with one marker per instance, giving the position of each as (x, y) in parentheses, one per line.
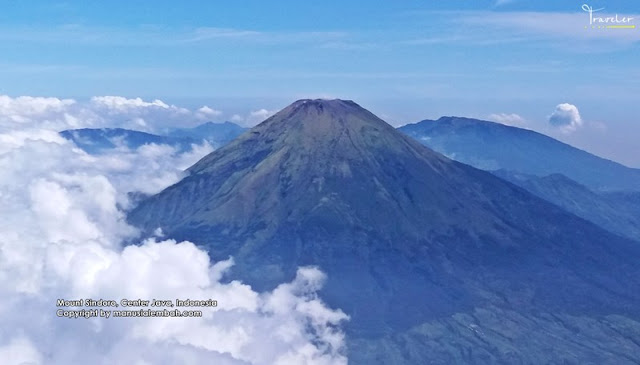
(100, 111)
(61, 236)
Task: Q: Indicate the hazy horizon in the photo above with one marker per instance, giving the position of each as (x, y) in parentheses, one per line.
(505, 60)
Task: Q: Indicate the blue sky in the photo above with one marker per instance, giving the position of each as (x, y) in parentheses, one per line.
(405, 60)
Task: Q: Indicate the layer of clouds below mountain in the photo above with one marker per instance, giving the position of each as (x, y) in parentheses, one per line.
(61, 234)
(100, 111)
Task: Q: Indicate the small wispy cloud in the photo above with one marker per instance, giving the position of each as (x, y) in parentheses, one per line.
(261, 37)
(468, 38)
(539, 67)
(567, 30)
(207, 33)
(507, 119)
(568, 26)
(158, 36)
(253, 117)
(350, 46)
(206, 113)
(498, 3)
(258, 116)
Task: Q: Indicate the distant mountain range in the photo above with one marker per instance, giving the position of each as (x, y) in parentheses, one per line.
(104, 139)
(435, 261)
(599, 190)
(493, 146)
(617, 212)
(97, 141)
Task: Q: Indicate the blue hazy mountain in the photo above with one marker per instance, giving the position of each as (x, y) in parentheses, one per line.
(217, 134)
(492, 146)
(616, 212)
(101, 139)
(541, 165)
(434, 260)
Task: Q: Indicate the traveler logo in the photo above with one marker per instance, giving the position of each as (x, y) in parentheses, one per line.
(607, 22)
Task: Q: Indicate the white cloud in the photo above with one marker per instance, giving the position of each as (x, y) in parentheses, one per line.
(207, 113)
(122, 104)
(508, 119)
(25, 110)
(20, 351)
(260, 115)
(253, 117)
(100, 111)
(18, 138)
(32, 106)
(61, 236)
(566, 117)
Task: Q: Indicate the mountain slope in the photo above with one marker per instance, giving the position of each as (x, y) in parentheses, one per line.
(493, 146)
(608, 210)
(409, 239)
(100, 140)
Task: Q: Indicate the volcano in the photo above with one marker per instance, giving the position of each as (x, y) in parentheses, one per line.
(434, 261)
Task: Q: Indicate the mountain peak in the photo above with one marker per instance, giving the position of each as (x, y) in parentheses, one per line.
(329, 120)
(324, 103)
(329, 132)
(333, 111)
